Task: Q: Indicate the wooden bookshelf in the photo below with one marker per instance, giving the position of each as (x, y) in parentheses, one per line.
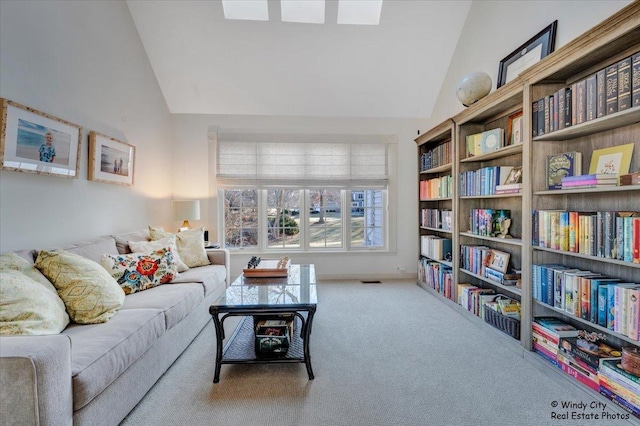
(616, 38)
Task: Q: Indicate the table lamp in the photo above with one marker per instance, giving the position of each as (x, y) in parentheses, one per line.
(186, 210)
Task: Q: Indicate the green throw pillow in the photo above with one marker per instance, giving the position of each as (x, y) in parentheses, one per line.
(90, 294)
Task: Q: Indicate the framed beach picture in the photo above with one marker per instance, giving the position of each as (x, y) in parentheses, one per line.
(110, 160)
(614, 160)
(35, 142)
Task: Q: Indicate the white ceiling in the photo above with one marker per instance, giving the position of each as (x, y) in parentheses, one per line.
(208, 65)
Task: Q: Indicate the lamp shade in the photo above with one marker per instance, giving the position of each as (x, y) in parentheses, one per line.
(186, 210)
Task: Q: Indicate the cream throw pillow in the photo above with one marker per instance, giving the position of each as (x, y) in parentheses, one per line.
(90, 294)
(190, 245)
(12, 262)
(26, 307)
(150, 246)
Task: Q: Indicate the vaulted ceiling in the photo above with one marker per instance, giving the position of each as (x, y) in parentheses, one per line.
(208, 65)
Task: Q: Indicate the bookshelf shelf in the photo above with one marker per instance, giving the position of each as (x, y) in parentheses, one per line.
(478, 197)
(613, 189)
(588, 257)
(438, 199)
(511, 241)
(428, 228)
(444, 168)
(586, 322)
(510, 288)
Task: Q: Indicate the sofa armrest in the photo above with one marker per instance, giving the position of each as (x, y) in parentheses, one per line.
(221, 256)
(35, 380)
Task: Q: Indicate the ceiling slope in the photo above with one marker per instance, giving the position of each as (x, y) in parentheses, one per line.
(208, 65)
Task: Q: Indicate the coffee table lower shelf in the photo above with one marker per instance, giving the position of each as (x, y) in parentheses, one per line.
(240, 348)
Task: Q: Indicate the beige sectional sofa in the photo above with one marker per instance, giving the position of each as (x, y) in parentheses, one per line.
(95, 374)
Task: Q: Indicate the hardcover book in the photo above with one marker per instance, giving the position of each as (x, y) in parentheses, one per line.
(601, 93)
(562, 165)
(591, 101)
(612, 88)
(635, 80)
(624, 84)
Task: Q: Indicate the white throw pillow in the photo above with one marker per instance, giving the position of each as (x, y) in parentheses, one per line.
(190, 245)
(150, 246)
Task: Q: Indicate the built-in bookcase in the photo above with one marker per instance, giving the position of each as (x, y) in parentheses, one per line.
(613, 40)
(436, 154)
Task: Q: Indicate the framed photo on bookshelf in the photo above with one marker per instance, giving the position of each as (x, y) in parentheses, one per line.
(536, 48)
(514, 129)
(110, 160)
(614, 160)
(514, 176)
(499, 261)
(36, 142)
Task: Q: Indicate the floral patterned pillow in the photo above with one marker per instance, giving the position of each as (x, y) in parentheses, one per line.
(136, 272)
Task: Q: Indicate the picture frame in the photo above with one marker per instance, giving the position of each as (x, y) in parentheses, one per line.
(33, 141)
(536, 48)
(514, 129)
(110, 160)
(499, 261)
(613, 160)
(514, 176)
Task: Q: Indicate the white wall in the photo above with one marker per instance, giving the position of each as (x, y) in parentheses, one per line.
(83, 62)
(193, 180)
(494, 29)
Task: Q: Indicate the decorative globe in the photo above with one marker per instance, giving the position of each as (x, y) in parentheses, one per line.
(473, 87)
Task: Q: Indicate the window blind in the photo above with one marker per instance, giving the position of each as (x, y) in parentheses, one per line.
(311, 162)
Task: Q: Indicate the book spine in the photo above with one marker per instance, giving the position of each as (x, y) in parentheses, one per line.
(636, 240)
(602, 305)
(573, 232)
(585, 298)
(611, 303)
(581, 101)
(609, 234)
(591, 98)
(562, 99)
(624, 84)
(601, 93)
(635, 80)
(567, 110)
(574, 107)
(534, 119)
(612, 89)
(553, 125)
(547, 114)
(628, 239)
(599, 234)
(540, 117)
(593, 308)
(619, 238)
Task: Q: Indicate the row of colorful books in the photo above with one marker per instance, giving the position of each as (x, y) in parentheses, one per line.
(435, 218)
(594, 180)
(487, 180)
(478, 259)
(437, 276)
(488, 222)
(593, 363)
(605, 92)
(435, 247)
(607, 234)
(609, 302)
(436, 188)
(438, 156)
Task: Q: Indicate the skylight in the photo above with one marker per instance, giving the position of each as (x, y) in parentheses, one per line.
(356, 12)
(307, 12)
(249, 10)
(359, 12)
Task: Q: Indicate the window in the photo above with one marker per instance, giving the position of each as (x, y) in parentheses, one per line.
(284, 195)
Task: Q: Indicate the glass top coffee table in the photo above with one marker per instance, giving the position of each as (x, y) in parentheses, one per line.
(256, 298)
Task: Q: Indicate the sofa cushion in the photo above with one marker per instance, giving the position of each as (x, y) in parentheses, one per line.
(136, 271)
(190, 245)
(101, 352)
(93, 249)
(122, 240)
(27, 308)
(210, 276)
(175, 301)
(89, 293)
(149, 246)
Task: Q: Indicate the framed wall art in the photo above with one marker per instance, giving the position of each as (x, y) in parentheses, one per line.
(35, 142)
(536, 48)
(110, 160)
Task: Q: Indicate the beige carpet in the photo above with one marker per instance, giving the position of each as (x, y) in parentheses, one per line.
(382, 354)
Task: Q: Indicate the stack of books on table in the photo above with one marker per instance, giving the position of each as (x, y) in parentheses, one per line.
(546, 333)
(589, 181)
